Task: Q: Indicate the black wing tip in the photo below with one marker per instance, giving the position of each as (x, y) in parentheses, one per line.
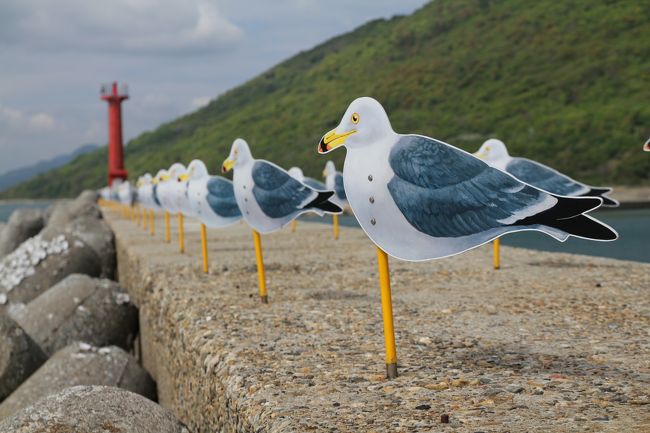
(322, 202)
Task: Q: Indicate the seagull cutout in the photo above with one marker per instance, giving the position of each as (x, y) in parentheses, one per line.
(296, 173)
(179, 196)
(145, 191)
(126, 193)
(418, 198)
(167, 188)
(334, 182)
(646, 146)
(267, 195)
(211, 198)
(155, 182)
(495, 153)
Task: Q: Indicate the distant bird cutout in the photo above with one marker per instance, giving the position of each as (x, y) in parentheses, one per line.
(270, 198)
(418, 198)
(212, 200)
(495, 153)
(646, 146)
(267, 195)
(334, 182)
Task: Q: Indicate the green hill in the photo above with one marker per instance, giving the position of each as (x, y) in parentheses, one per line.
(563, 82)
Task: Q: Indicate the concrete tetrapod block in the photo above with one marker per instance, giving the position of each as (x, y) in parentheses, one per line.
(95, 233)
(93, 409)
(81, 364)
(80, 308)
(20, 356)
(66, 211)
(22, 225)
(38, 264)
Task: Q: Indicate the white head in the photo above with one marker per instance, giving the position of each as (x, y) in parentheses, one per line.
(197, 169)
(161, 176)
(176, 171)
(240, 155)
(492, 150)
(364, 123)
(146, 178)
(296, 173)
(330, 169)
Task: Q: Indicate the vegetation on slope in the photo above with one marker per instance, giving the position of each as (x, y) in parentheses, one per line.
(565, 83)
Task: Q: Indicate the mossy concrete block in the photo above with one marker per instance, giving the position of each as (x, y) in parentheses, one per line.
(80, 308)
(93, 409)
(81, 364)
(20, 356)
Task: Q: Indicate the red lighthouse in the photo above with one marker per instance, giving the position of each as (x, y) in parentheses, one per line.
(114, 97)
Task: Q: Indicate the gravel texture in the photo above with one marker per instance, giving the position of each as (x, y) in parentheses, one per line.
(551, 342)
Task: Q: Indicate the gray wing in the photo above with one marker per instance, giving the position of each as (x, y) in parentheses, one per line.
(445, 192)
(277, 193)
(221, 197)
(313, 183)
(543, 177)
(338, 186)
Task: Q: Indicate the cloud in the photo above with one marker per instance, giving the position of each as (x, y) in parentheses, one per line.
(126, 26)
(12, 118)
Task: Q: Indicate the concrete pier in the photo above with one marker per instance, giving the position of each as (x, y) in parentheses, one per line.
(550, 342)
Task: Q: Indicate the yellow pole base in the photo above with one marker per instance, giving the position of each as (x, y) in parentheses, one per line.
(335, 225)
(293, 226)
(152, 223)
(168, 236)
(204, 248)
(261, 277)
(496, 253)
(181, 234)
(387, 314)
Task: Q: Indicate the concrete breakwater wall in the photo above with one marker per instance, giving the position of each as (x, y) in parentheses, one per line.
(66, 329)
(551, 342)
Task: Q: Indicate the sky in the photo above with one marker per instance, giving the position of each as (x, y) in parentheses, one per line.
(175, 56)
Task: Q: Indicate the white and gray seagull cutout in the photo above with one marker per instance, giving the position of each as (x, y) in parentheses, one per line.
(418, 198)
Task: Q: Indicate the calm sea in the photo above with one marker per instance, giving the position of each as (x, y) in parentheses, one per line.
(7, 207)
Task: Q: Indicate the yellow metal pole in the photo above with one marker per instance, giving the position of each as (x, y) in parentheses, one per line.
(387, 313)
(181, 234)
(293, 226)
(168, 237)
(335, 221)
(152, 223)
(261, 278)
(204, 248)
(496, 253)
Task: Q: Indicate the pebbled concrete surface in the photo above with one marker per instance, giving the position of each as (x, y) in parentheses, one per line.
(551, 342)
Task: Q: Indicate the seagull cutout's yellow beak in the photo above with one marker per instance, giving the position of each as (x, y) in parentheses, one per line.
(228, 164)
(324, 173)
(479, 155)
(164, 177)
(154, 181)
(183, 177)
(332, 140)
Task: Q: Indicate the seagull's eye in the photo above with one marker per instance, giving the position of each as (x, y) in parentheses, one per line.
(355, 118)
(489, 148)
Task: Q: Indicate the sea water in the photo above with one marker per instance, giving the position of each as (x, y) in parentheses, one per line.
(7, 207)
